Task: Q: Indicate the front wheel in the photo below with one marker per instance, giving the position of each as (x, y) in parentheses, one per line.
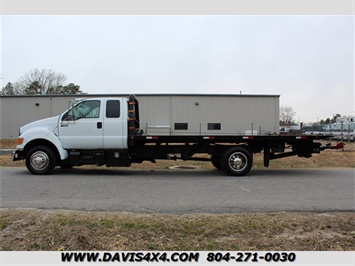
(40, 160)
(237, 161)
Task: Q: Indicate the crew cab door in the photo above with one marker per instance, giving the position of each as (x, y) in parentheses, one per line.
(82, 127)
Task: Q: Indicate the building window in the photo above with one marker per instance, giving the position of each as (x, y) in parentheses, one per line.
(214, 126)
(113, 109)
(181, 126)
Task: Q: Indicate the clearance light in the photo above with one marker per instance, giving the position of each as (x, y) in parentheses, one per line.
(19, 141)
(211, 137)
(152, 137)
(301, 137)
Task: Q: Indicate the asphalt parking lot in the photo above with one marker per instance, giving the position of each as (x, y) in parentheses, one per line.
(188, 191)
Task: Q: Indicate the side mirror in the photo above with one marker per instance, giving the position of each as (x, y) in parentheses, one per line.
(69, 115)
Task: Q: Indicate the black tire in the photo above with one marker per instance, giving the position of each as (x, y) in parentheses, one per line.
(216, 162)
(41, 160)
(237, 161)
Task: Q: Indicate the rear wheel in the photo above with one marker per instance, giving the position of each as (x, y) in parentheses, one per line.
(40, 160)
(237, 161)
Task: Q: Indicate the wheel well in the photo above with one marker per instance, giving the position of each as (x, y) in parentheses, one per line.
(219, 150)
(41, 142)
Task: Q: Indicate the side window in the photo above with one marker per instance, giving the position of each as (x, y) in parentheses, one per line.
(86, 109)
(214, 126)
(113, 109)
(181, 126)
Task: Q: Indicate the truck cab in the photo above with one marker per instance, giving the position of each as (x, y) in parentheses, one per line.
(96, 123)
(91, 131)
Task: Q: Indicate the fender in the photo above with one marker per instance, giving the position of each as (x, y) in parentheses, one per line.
(44, 134)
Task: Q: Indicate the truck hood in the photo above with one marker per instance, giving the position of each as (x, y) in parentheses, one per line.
(49, 123)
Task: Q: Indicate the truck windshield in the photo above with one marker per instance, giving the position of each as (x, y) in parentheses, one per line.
(85, 109)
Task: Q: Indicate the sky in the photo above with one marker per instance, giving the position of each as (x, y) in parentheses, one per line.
(307, 60)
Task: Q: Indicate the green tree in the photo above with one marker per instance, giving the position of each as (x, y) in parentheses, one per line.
(34, 88)
(9, 89)
(71, 88)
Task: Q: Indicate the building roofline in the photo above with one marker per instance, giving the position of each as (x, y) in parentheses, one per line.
(142, 94)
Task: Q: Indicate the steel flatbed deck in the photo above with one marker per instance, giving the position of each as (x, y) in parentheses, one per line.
(223, 138)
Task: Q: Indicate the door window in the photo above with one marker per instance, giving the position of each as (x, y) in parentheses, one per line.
(86, 109)
(113, 109)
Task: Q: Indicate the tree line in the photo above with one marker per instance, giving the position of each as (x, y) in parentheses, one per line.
(41, 82)
(287, 114)
(329, 120)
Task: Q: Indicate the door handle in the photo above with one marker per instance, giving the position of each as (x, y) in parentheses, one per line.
(99, 124)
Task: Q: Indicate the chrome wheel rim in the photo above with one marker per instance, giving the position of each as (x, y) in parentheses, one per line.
(39, 160)
(238, 161)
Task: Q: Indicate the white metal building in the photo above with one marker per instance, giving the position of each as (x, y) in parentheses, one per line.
(175, 114)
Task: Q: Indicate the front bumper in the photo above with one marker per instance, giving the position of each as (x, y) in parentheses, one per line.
(18, 155)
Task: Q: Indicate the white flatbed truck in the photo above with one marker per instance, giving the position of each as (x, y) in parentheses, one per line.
(106, 131)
